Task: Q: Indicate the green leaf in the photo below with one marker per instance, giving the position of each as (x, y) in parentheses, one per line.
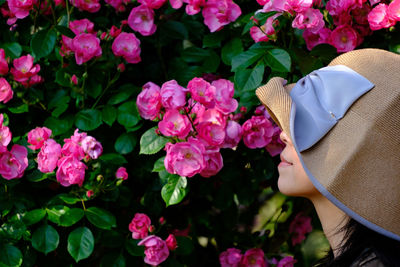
(100, 218)
(43, 42)
(19, 109)
(123, 93)
(128, 115)
(113, 158)
(63, 78)
(59, 126)
(159, 165)
(64, 216)
(45, 239)
(278, 60)
(211, 63)
(213, 39)
(65, 31)
(133, 249)
(195, 54)
(93, 86)
(80, 243)
(68, 199)
(231, 49)
(175, 30)
(245, 59)
(13, 50)
(125, 143)
(10, 256)
(247, 80)
(59, 103)
(88, 119)
(34, 216)
(37, 176)
(175, 190)
(151, 143)
(185, 245)
(109, 114)
(113, 259)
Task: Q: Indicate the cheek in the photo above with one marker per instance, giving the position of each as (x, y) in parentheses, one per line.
(293, 181)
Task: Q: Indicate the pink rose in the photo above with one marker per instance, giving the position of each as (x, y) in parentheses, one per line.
(194, 6)
(373, 2)
(153, 4)
(202, 91)
(6, 93)
(70, 171)
(266, 31)
(20, 8)
(263, 2)
(117, 4)
(287, 261)
(141, 19)
(275, 5)
(173, 96)
(23, 68)
(74, 80)
(91, 6)
(81, 26)
(299, 227)
(313, 39)
(89, 193)
(224, 96)
(92, 147)
(48, 156)
(311, 19)
(298, 6)
(218, 13)
(139, 226)
(171, 242)
(254, 258)
(185, 158)
(394, 10)
(337, 7)
(13, 163)
(230, 258)
(257, 132)
(276, 145)
(214, 164)
(211, 127)
(175, 124)
(360, 14)
(72, 146)
(38, 136)
(86, 46)
(233, 134)
(3, 62)
(156, 250)
(176, 4)
(378, 18)
(149, 101)
(344, 38)
(121, 173)
(5, 135)
(126, 45)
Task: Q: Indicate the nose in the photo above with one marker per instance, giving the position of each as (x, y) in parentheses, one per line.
(284, 137)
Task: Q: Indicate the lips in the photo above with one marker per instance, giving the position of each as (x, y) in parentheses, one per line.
(284, 161)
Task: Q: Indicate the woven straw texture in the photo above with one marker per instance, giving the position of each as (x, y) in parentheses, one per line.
(358, 161)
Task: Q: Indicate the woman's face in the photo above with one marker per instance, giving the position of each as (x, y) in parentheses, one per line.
(293, 180)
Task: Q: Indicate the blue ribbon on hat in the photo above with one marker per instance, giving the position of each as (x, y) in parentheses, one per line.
(321, 99)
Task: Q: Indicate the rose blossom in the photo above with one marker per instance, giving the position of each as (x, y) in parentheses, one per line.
(214, 164)
(6, 93)
(266, 31)
(121, 173)
(313, 39)
(175, 124)
(91, 6)
(230, 258)
(127, 46)
(344, 38)
(202, 91)
(276, 145)
(156, 250)
(139, 226)
(173, 96)
(298, 5)
(194, 6)
(176, 4)
(218, 13)
(48, 156)
(81, 26)
(5, 135)
(311, 19)
(141, 19)
(23, 68)
(37, 136)
(394, 10)
(224, 91)
(337, 7)
(86, 46)
(299, 227)
(72, 146)
(153, 4)
(20, 8)
(92, 147)
(257, 132)
(211, 127)
(275, 5)
(233, 134)
(254, 257)
(70, 171)
(378, 18)
(149, 101)
(287, 261)
(171, 242)
(13, 163)
(3, 62)
(185, 158)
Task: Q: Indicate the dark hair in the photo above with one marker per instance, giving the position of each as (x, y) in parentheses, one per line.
(356, 239)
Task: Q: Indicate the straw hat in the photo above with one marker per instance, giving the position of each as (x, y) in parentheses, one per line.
(344, 121)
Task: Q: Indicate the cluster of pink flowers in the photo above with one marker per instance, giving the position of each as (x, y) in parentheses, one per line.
(14, 162)
(68, 158)
(353, 20)
(203, 123)
(233, 257)
(156, 249)
(299, 227)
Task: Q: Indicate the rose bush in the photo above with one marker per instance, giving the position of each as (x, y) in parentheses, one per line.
(130, 133)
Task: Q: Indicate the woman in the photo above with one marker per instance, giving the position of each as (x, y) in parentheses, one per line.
(340, 125)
